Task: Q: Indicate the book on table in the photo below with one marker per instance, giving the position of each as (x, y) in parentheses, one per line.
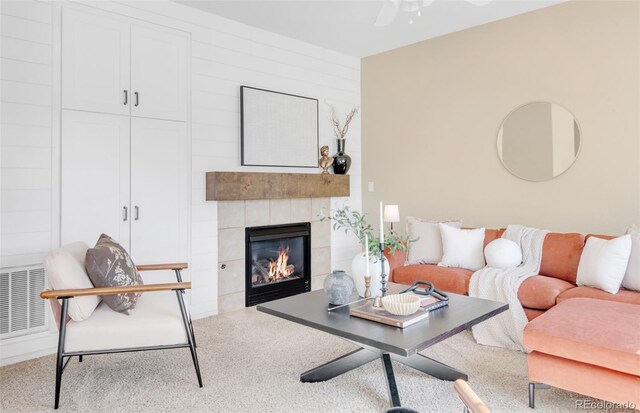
(380, 315)
(429, 302)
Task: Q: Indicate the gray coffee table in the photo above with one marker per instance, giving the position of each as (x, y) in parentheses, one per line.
(379, 341)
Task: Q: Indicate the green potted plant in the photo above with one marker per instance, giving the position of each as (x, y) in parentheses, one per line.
(355, 222)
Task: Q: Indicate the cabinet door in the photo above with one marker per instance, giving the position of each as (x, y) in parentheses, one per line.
(159, 191)
(159, 72)
(95, 177)
(95, 63)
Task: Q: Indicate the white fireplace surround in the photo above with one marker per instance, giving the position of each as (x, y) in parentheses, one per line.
(235, 216)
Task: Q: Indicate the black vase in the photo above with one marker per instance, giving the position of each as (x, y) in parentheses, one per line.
(341, 161)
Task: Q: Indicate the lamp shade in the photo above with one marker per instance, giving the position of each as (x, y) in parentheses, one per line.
(391, 213)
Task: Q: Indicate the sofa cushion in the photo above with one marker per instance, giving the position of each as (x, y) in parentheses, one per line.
(156, 321)
(65, 270)
(623, 296)
(532, 313)
(492, 235)
(503, 253)
(561, 255)
(462, 248)
(453, 280)
(540, 292)
(631, 279)
(427, 247)
(598, 332)
(604, 262)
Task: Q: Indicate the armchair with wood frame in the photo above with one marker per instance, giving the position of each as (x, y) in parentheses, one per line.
(158, 321)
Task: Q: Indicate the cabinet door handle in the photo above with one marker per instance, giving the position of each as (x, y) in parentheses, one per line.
(137, 98)
(125, 214)
(126, 97)
(136, 213)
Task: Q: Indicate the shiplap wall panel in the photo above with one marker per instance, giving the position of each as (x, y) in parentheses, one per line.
(25, 72)
(36, 11)
(26, 157)
(224, 55)
(24, 114)
(19, 92)
(25, 135)
(23, 200)
(26, 122)
(25, 29)
(25, 50)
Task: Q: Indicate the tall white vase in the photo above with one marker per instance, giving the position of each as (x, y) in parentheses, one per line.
(359, 268)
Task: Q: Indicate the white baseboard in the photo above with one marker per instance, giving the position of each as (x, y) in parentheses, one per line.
(202, 313)
(27, 347)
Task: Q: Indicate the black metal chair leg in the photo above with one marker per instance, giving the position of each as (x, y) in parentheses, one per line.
(185, 320)
(60, 357)
(179, 278)
(79, 359)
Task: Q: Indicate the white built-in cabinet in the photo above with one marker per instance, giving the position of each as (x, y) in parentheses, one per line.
(124, 135)
(95, 177)
(110, 65)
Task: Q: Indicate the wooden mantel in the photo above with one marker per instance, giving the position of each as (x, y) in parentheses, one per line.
(235, 186)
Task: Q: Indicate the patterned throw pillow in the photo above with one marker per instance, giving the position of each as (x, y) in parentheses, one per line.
(109, 265)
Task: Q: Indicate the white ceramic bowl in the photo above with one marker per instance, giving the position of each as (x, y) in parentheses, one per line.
(401, 304)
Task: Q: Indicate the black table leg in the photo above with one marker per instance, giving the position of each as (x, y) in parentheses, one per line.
(394, 396)
(431, 367)
(339, 366)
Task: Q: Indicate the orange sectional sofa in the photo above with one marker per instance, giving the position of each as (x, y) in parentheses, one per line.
(587, 346)
(556, 282)
(582, 339)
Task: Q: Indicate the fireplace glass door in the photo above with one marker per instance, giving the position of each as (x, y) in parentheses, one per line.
(277, 262)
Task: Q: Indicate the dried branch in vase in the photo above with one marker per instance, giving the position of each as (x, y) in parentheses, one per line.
(341, 131)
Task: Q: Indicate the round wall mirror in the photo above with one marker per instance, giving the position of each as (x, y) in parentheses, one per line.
(539, 141)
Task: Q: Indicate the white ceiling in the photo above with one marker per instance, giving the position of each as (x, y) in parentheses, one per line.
(347, 26)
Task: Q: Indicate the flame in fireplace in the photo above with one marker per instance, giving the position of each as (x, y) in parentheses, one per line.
(279, 268)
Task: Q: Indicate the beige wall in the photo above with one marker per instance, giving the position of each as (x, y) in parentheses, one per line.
(431, 112)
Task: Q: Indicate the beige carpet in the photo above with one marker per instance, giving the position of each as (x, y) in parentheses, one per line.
(251, 362)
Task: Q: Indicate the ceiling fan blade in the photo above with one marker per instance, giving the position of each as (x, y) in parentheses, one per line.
(388, 13)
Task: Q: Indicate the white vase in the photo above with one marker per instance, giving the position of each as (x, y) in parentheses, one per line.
(358, 269)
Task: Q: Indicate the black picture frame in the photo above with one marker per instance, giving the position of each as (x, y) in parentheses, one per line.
(269, 133)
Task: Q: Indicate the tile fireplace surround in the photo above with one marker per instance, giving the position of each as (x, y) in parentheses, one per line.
(235, 216)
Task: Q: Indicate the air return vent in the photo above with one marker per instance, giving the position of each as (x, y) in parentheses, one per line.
(22, 311)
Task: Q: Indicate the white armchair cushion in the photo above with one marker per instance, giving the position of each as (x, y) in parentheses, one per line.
(156, 321)
(65, 270)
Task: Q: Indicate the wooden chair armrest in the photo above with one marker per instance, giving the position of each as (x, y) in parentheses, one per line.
(157, 267)
(80, 292)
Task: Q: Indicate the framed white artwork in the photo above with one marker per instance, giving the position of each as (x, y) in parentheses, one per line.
(278, 129)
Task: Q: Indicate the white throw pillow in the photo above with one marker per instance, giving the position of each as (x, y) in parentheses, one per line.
(462, 248)
(604, 262)
(503, 253)
(631, 280)
(428, 247)
(65, 270)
